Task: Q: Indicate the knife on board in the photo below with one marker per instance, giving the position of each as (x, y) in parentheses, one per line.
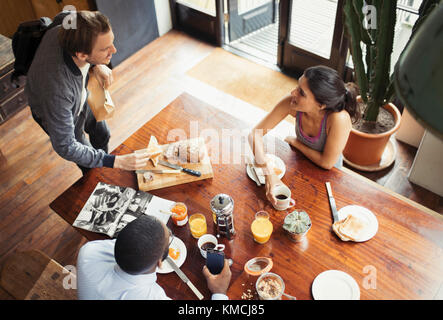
(332, 202)
(176, 167)
(184, 278)
(157, 171)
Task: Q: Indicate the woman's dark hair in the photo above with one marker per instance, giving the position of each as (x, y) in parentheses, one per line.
(329, 89)
(140, 245)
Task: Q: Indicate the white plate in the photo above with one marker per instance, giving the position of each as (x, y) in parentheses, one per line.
(176, 244)
(368, 218)
(335, 285)
(278, 163)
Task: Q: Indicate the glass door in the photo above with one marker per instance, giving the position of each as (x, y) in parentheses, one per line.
(312, 33)
(251, 29)
(246, 16)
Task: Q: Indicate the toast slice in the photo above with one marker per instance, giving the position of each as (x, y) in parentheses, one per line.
(351, 228)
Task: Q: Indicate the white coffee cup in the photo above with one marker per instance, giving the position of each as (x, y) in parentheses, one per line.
(283, 195)
(209, 238)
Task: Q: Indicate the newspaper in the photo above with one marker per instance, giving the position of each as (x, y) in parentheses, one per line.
(110, 208)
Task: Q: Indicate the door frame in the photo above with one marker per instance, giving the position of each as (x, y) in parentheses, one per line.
(339, 49)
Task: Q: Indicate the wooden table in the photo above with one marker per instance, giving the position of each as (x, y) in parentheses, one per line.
(402, 261)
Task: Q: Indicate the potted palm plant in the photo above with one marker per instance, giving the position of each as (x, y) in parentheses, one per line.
(371, 45)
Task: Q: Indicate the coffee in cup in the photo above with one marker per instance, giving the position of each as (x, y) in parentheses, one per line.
(209, 242)
(283, 195)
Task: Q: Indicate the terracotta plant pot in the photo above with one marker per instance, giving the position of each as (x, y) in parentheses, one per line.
(365, 149)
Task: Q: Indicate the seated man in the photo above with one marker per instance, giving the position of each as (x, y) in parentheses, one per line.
(124, 268)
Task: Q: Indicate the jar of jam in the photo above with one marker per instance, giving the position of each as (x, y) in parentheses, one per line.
(179, 214)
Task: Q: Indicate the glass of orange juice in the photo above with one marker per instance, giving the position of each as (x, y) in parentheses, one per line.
(261, 227)
(197, 224)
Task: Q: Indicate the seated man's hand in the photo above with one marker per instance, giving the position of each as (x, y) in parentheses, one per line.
(218, 283)
(132, 161)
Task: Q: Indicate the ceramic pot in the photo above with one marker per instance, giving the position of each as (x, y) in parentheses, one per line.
(365, 149)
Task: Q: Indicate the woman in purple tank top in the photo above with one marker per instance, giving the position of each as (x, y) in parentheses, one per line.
(323, 106)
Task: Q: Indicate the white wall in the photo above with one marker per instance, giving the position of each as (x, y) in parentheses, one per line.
(164, 21)
(427, 171)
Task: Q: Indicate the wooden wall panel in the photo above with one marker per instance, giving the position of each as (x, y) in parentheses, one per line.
(50, 8)
(12, 13)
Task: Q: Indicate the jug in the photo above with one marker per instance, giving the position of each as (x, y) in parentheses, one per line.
(222, 207)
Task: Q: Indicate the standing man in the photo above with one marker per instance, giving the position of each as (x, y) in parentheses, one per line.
(57, 94)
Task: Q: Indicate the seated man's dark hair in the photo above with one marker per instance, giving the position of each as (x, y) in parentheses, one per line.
(140, 245)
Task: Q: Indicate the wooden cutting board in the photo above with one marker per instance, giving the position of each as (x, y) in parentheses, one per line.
(163, 180)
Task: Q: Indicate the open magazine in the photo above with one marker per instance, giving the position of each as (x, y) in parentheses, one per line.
(110, 208)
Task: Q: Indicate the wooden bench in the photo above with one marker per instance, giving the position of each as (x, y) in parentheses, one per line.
(32, 275)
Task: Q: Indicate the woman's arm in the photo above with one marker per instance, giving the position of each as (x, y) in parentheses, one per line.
(339, 126)
(280, 111)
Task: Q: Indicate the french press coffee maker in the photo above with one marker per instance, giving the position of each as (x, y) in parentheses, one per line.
(222, 207)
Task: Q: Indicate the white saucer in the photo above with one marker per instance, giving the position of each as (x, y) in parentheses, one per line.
(278, 163)
(365, 215)
(335, 285)
(179, 245)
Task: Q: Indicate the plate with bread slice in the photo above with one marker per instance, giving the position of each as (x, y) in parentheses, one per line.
(356, 223)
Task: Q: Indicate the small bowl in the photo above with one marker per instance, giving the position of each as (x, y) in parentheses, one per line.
(258, 265)
(274, 277)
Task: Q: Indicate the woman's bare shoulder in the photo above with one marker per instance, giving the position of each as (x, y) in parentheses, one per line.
(341, 119)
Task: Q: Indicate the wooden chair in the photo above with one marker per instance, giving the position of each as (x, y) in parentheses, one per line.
(32, 275)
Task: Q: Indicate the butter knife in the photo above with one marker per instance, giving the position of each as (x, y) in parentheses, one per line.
(250, 164)
(332, 202)
(254, 174)
(184, 278)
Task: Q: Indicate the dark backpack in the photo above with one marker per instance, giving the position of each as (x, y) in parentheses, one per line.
(26, 40)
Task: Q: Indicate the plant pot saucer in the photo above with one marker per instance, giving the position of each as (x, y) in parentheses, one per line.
(386, 160)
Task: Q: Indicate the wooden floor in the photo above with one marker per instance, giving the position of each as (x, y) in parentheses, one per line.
(32, 175)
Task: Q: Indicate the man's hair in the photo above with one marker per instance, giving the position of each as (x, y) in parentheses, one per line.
(89, 24)
(140, 245)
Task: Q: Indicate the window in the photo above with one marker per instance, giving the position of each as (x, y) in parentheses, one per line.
(407, 15)
(312, 25)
